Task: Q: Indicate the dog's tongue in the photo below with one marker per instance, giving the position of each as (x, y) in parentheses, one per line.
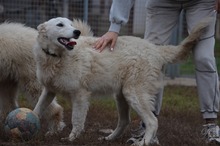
(71, 43)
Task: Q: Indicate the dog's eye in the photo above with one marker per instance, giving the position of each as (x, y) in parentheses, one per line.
(60, 24)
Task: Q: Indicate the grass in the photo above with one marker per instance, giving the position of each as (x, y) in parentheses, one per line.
(177, 98)
(180, 98)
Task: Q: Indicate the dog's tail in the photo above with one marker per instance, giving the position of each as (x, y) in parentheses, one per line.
(83, 27)
(173, 54)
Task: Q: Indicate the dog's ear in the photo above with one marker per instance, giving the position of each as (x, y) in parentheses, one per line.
(41, 28)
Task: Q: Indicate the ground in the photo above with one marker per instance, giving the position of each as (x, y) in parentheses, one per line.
(176, 128)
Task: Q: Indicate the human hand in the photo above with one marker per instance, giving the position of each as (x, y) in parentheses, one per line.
(108, 38)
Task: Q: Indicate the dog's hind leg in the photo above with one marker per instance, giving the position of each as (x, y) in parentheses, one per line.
(8, 97)
(141, 102)
(150, 121)
(123, 119)
(151, 124)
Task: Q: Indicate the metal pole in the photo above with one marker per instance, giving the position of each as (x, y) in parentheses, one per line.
(66, 8)
(86, 10)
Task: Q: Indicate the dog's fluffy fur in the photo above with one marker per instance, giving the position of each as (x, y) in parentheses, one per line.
(18, 71)
(130, 73)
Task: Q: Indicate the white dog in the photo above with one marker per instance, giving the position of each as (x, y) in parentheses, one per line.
(18, 71)
(70, 67)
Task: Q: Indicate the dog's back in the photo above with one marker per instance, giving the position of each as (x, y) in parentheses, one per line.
(17, 66)
(16, 43)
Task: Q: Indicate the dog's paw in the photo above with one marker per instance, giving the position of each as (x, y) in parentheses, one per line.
(106, 131)
(65, 139)
(101, 138)
(55, 128)
(50, 133)
(73, 135)
(138, 143)
(68, 139)
(60, 126)
(104, 138)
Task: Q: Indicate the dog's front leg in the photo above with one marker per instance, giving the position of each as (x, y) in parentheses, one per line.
(44, 101)
(80, 106)
(54, 115)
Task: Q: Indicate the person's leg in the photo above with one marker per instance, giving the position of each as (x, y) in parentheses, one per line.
(203, 53)
(205, 65)
(161, 18)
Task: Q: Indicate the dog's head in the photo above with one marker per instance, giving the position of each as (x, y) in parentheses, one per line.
(59, 31)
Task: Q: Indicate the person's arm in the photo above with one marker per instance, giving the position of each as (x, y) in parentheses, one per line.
(119, 15)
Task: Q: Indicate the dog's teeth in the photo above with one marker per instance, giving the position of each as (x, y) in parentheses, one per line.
(72, 40)
(63, 41)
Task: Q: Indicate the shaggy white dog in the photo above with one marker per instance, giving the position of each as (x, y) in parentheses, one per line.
(130, 73)
(18, 71)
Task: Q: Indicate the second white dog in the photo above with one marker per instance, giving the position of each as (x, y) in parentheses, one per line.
(130, 73)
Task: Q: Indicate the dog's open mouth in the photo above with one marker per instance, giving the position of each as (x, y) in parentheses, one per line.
(69, 43)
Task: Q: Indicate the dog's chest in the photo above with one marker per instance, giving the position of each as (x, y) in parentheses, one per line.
(59, 80)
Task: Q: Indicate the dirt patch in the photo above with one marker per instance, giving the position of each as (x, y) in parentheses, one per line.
(175, 129)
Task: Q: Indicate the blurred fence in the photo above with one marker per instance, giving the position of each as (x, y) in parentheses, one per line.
(96, 13)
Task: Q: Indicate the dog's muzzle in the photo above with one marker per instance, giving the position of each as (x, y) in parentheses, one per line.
(69, 43)
(76, 34)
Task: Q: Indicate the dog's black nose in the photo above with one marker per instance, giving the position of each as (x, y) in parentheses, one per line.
(76, 34)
